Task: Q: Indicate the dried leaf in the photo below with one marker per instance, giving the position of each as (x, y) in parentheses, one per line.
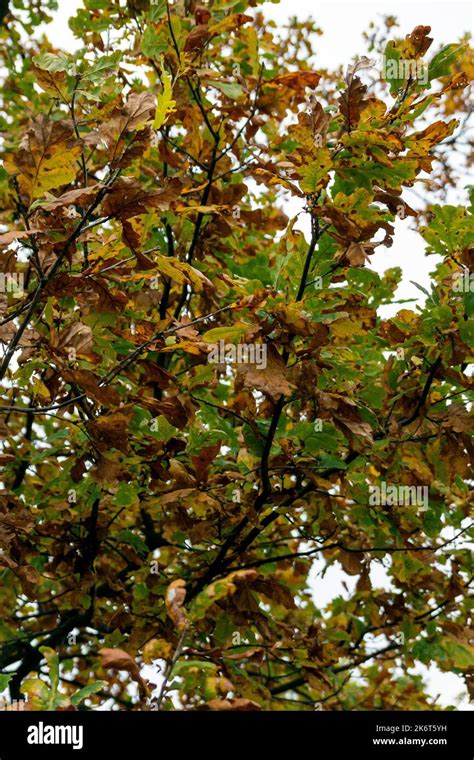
(118, 659)
(174, 600)
(47, 157)
(236, 704)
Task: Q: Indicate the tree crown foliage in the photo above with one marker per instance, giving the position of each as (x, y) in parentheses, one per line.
(161, 507)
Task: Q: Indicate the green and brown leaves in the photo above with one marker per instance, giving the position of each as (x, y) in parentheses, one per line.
(212, 376)
(354, 98)
(46, 159)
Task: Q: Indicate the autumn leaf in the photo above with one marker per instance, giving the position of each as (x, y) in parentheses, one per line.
(297, 80)
(118, 659)
(77, 336)
(353, 99)
(165, 102)
(181, 272)
(223, 393)
(46, 159)
(237, 704)
(273, 380)
(175, 596)
(12, 235)
(129, 199)
(81, 197)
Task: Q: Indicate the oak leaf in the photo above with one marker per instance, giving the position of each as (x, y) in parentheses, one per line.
(174, 600)
(273, 380)
(47, 157)
(118, 659)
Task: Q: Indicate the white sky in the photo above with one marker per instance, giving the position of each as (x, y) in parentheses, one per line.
(343, 24)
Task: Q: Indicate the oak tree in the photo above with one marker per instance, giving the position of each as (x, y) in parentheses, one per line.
(159, 508)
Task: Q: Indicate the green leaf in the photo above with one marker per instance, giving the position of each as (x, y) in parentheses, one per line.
(140, 592)
(316, 172)
(327, 461)
(391, 60)
(162, 429)
(152, 44)
(420, 287)
(130, 538)
(86, 691)
(52, 661)
(469, 304)
(461, 654)
(104, 68)
(38, 693)
(230, 333)
(54, 62)
(232, 90)
(441, 64)
(157, 10)
(126, 495)
(4, 680)
(466, 331)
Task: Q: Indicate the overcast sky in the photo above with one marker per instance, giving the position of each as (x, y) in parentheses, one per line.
(343, 24)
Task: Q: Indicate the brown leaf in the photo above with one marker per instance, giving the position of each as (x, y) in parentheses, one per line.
(107, 469)
(469, 680)
(354, 426)
(364, 583)
(77, 336)
(47, 157)
(236, 704)
(118, 659)
(276, 591)
(115, 132)
(273, 380)
(394, 202)
(9, 237)
(111, 429)
(353, 100)
(202, 460)
(352, 562)
(88, 382)
(458, 419)
(174, 600)
(420, 40)
(129, 198)
(316, 119)
(201, 14)
(297, 80)
(81, 197)
(173, 410)
(356, 255)
(197, 38)
(180, 474)
(53, 82)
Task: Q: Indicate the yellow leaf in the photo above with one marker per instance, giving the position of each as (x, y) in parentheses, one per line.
(182, 273)
(231, 333)
(165, 102)
(46, 159)
(39, 387)
(214, 209)
(343, 328)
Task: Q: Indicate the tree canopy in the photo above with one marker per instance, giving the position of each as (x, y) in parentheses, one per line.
(162, 508)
